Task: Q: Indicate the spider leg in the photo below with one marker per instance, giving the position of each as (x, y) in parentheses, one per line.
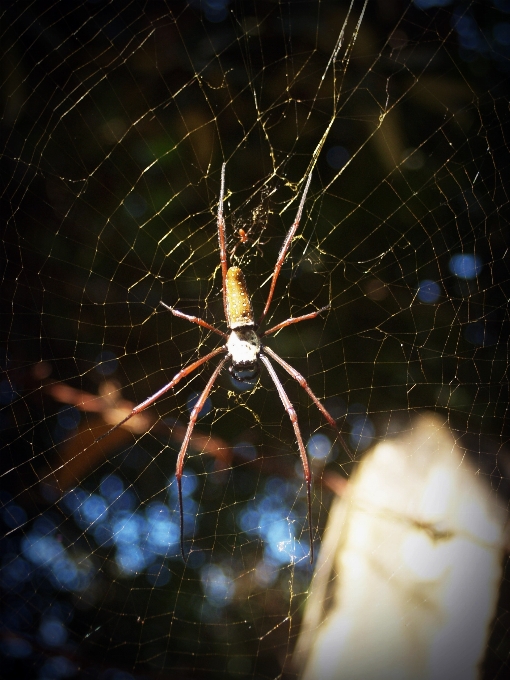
(304, 460)
(150, 400)
(185, 442)
(194, 319)
(222, 241)
(299, 378)
(292, 320)
(285, 248)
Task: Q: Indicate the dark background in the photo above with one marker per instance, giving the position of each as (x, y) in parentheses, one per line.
(117, 119)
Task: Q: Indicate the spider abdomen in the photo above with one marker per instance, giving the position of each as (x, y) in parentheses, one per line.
(243, 346)
(239, 309)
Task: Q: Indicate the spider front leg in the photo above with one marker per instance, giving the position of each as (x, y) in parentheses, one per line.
(295, 319)
(302, 452)
(222, 241)
(284, 249)
(185, 442)
(300, 379)
(150, 400)
(193, 319)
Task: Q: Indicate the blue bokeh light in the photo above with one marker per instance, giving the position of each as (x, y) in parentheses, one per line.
(501, 33)
(74, 499)
(318, 446)
(214, 11)
(269, 517)
(189, 485)
(135, 205)
(362, 433)
(128, 528)
(337, 157)
(465, 265)
(427, 4)
(68, 417)
(7, 392)
(158, 574)
(106, 363)
(41, 550)
(14, 571)
(245, 450)
(130, 559)
(16, 647)
(428, 291)
(163, 533)
(111, 487)
(477, 334)
(192, 400)
(52, 632)
(94, 508)
(44, 549)
(217, 584)
(14, 515)
(57, 667)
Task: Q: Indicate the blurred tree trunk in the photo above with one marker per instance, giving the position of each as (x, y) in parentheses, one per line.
(407, 580)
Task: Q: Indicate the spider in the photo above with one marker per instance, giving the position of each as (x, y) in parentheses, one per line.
(244, 351)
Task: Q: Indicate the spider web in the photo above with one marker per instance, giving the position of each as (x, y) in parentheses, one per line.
(117, 119)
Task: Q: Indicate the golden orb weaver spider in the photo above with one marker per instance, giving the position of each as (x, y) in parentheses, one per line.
(244, 350)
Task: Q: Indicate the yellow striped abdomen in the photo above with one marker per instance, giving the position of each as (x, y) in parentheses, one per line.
(239, 309)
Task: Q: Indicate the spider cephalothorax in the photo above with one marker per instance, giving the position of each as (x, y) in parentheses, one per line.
(244, 350)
